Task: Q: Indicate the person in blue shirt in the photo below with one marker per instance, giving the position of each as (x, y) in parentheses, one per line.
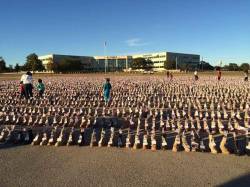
(40, 87)
(106, 91)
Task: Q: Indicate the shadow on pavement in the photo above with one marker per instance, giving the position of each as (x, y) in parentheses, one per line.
(9, 145)
(239, 182)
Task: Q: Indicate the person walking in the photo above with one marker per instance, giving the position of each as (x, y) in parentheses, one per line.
(27, 82)
(246, 75)
(106, 91)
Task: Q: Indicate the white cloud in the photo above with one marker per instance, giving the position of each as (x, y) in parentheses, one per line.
(135, 42)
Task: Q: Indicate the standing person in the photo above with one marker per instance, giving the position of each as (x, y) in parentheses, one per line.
(22, 91)
(246, 75)
(196, 75)
(171, 76)
(27, 81)
(219, 74)
(40, 87)
(106, 91)
(168, 74)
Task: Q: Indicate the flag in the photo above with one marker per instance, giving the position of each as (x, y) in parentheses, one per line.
(105, 44)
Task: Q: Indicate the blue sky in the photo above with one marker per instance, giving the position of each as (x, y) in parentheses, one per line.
(215, 29)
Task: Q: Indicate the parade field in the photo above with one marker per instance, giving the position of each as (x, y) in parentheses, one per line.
(124, 93)
(152, 131)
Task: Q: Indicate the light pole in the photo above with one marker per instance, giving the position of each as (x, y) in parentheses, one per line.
(126, 62)
(176, 62)
(116, 63)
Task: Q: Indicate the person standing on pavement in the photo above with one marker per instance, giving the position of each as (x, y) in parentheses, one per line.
(27, 82)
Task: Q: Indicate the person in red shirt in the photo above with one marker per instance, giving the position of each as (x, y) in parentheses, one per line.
(22, 90)
(171, 76)
(218, 70)
(219, 74)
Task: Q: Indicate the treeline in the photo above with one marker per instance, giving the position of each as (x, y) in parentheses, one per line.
(142, 63)
(4, 68)
(32, 64)
(236, 67)
(71, 64)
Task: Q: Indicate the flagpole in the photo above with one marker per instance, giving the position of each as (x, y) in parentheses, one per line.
(176, 62)
(105, 56)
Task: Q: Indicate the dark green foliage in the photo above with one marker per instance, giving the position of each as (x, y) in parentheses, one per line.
(10, 68)
(142, 63)
(232, 67)
(2, 65)
(217, 68)
(244, 67)
(206, 66)
(17, 67)
(33, 63)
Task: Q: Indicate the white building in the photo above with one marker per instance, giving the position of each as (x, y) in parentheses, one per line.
(161, 61)
(169, 60)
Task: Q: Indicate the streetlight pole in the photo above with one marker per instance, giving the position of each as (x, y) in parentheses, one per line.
(176, 62)
(126, 62)
(116, 64)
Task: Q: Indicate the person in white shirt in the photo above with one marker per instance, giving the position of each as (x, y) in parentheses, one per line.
(27, 81)
(196, 75)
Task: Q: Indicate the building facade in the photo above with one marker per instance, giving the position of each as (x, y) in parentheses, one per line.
(161, 61)
(87, 61)
(182, 60)
(158, 59)
(169, 60)
(113, 63)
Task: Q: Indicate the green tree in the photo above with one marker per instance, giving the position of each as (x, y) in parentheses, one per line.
(244, 66)
(233, 67)
(2, 65)
(10, 68)
(33, 63)
(17, 67)
(206, 66)
(142, 63)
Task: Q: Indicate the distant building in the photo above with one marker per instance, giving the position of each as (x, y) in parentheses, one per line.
(114, 63)
(161, 61)
(87, 61)
(169, 60)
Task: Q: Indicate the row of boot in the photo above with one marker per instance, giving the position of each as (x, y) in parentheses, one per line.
(147, 138)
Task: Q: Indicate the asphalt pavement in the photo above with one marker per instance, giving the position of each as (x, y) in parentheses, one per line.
(84, 166)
